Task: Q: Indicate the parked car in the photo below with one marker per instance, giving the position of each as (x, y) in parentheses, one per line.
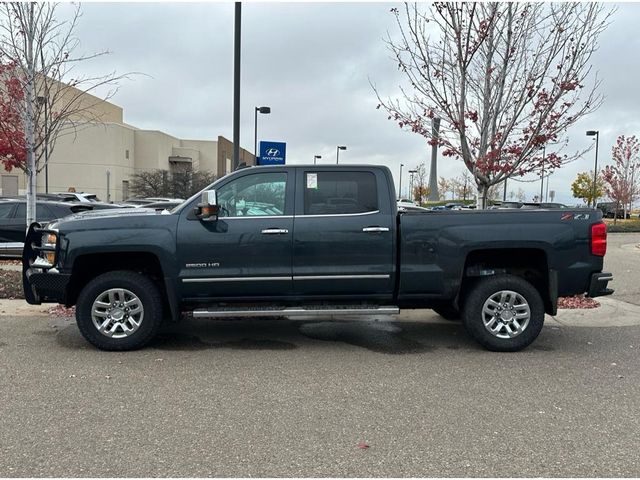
(454, 206)
(164, 199)
(160, 205)
(13, 225)
(250, 246)
(145, 201)
(137, 201)
(80, 196)
(73, 198)
(505, 204)
(609, 210)
(412, 208)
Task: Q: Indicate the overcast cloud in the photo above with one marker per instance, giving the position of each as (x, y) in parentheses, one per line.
(310, 63)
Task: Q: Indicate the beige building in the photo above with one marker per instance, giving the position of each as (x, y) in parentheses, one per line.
(101, 157)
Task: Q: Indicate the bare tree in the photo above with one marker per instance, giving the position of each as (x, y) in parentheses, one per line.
(161, 183)
(153, 183)
(38, 55)
(621, 179)
(462, 185)
(504, 78)
(420, 184)
(443, 187)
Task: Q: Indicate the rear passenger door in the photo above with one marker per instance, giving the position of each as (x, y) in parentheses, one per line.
(343, 234)
(6, 218)
(16, 228)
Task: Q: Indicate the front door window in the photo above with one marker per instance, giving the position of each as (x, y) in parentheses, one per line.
(258, 195)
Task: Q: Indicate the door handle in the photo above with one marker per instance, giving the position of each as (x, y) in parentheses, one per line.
(375, 229)
(274, 231)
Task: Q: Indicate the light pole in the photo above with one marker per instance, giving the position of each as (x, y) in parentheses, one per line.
(400, 182)
(236, 83)
(43, 102)
(338, 148)
(316, 157)
(596, 133)
(411, 174)
(544, 152)
(264, 110)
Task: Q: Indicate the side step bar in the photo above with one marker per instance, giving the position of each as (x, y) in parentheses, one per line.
(350, 310)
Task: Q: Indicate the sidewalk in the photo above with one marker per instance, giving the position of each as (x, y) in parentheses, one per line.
(20, 308)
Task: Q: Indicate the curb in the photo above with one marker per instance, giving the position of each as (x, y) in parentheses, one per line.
(611, 313)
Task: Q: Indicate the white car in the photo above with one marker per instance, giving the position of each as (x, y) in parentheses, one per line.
(81, 196)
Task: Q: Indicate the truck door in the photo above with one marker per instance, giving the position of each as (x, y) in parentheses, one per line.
(246, 252)
(343, 233)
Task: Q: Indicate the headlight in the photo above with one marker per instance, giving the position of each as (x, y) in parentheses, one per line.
(49, 239)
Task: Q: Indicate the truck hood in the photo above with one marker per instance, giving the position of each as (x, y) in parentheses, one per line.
(111, 218)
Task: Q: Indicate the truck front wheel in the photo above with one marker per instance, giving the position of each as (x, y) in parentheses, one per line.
(504, 313)
(119, 310)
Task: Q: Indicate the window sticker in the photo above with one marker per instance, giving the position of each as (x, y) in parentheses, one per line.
(312, 180)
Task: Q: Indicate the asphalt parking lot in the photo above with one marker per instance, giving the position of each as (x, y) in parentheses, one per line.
(283, 398)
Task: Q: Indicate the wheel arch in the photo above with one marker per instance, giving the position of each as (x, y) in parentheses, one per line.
(88, 266)
(530, 264)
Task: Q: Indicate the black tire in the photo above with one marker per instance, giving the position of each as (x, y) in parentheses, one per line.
(448, 312)
(139, 285)
(474, 317)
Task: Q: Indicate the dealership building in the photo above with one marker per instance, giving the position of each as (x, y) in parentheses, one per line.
(101, 157)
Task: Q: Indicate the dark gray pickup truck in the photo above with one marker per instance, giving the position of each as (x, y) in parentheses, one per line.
(313, 240)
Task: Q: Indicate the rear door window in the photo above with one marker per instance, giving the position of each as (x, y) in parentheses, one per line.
(42, 212)
(6, 209)
(335, 193)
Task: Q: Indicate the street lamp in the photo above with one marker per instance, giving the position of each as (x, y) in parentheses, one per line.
(400, 182)
(316, 157)
(596, 133)
(544, 152)
(264, 110)
(338, 148)
(411, 173)
(42, 101)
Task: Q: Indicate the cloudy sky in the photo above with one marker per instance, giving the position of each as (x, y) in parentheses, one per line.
(311, 63)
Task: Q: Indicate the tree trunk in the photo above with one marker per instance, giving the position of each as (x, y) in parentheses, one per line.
(30, 98)
(483, 193)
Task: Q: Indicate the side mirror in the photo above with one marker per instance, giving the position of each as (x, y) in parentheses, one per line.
(208, 207)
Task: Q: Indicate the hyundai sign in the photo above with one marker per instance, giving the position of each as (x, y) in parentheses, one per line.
(272, 153)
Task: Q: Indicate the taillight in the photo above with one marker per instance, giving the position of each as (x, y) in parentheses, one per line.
(599, 239)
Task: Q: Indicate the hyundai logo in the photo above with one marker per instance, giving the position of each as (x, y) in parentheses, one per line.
(273, 152)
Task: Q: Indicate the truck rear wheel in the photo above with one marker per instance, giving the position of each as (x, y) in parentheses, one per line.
(503, 313)
(119, 310)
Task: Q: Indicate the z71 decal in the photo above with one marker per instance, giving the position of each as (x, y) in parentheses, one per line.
(575, 216)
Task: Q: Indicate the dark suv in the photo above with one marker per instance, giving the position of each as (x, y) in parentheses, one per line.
(609, 210)
(13, 223)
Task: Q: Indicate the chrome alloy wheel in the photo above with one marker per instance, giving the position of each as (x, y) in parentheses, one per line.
(117, 313)
(506, 314)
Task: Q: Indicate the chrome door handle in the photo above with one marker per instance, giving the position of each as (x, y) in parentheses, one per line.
(375, 229)
(274, 231)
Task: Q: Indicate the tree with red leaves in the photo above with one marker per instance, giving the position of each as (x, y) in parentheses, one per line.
(621, 180)
(39, 80)
(505, 79)
(12, 140)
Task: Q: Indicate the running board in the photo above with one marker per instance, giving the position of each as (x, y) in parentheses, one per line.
(293, 311)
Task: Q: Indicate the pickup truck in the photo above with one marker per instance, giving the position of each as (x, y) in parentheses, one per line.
(307, 240)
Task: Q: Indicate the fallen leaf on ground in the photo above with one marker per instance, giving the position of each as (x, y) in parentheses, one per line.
(577, 301)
